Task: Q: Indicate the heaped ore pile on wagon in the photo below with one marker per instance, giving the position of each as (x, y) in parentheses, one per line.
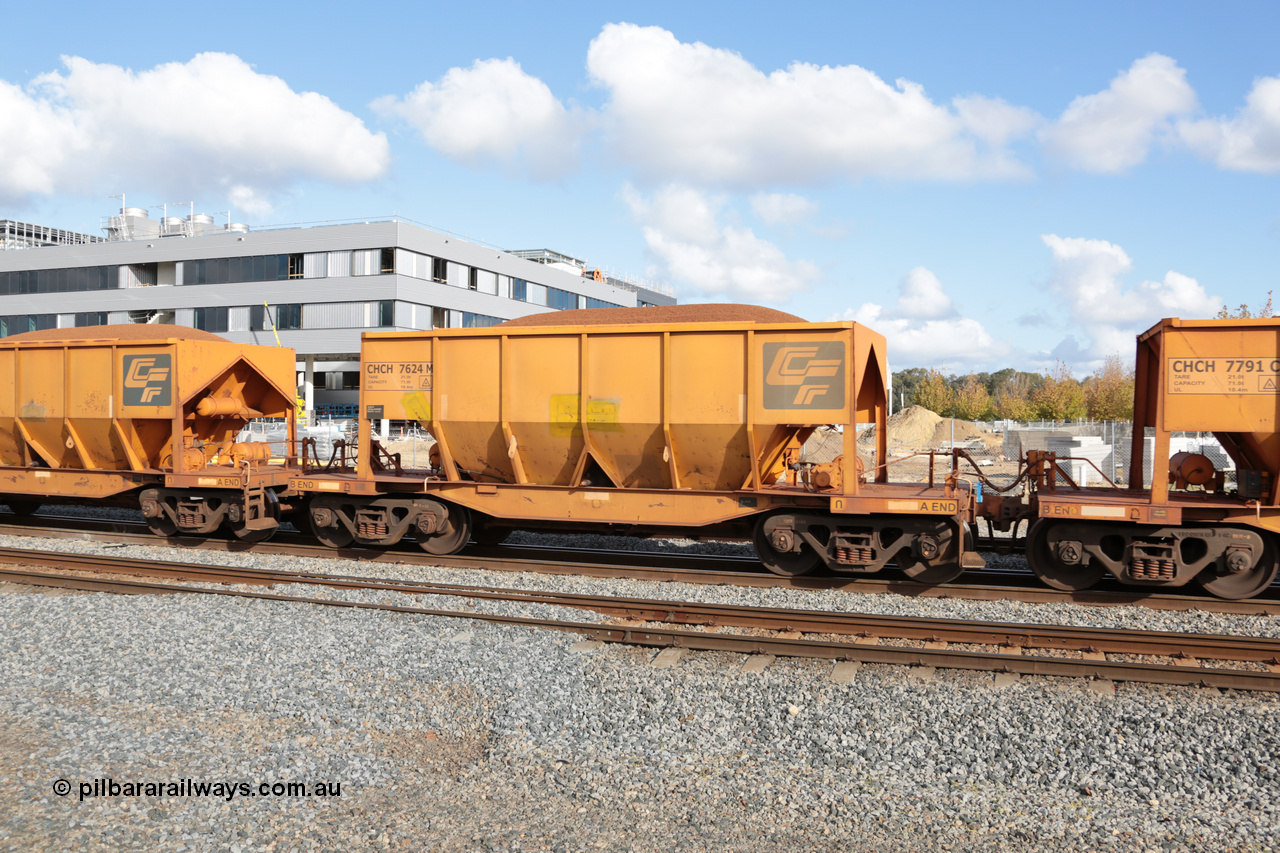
(685, 418)
(144, 415)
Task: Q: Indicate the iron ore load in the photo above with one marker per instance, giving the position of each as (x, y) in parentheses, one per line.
(687, 419)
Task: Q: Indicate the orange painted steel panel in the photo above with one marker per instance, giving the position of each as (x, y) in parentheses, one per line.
(1219, 376)
(680, 405)
(117, 400)
(10, 445)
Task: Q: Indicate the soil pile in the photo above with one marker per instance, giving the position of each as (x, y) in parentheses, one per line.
(119, 332)
(912, 427)
(824, 445)
(917, 428)
(964, 431)
(406, 447)
(714, 313)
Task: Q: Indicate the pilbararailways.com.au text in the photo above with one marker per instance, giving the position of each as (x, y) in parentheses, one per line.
(226, 790)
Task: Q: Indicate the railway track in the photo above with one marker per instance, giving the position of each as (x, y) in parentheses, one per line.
(946, 641)
(986, 584)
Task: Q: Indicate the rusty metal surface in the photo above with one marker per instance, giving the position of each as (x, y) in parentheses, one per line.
(980, 586)
(681, 406)
(782, 647)
(1022, 635)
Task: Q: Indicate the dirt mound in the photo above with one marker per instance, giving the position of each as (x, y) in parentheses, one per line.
(118, 332)
(911, 427)
(713, 313)
(964, 431)
(406, 447)
(917, 428)
(824, 445)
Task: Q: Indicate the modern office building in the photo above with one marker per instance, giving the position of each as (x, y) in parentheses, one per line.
(313, 288)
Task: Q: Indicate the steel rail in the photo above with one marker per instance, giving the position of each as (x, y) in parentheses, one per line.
(781, 647)
(640, 566)
(809, 621)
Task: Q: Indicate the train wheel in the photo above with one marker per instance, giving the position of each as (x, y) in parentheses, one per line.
(1245, 584)
(23, 508)
(452, 536)
(775, 549)
(326, 526)
(1052, 570)
(246, 534)
(158, 521)
(162, 526)
(931, 573)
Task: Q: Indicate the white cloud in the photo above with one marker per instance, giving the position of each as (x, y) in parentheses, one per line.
(249, 201)
(691, 246)
(920, 296)
(782, 208)
(925, 330)
(1250, 142)
(994, 121)
(1112, 130)
(210, 124)
(492, 112)
(1087, 278)
(698, 113)
(37, 140)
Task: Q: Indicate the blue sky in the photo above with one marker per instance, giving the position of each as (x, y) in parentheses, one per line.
(988, 185)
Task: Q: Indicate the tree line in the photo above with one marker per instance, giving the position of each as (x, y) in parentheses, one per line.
(1056, 395)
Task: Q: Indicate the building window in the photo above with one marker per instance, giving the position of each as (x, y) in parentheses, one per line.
(289, 316)
(70, 280)
(350, 380)
(91, 318)
(472, 280)
(19, 323)
(519, 289)
(561, 300)
(225, 270)
(478, 321)
(297, 266)
(211, 319)
(440, 270)
(600, 303)
(439, 318)
(388, 260)
(386, 312)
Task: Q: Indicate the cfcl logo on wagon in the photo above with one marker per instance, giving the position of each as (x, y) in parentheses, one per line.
(804, 376)
(148, 380)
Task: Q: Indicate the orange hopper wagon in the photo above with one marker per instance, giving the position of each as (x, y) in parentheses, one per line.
(145, 415)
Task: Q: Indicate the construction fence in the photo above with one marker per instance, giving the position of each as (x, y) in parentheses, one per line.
(1097, 451)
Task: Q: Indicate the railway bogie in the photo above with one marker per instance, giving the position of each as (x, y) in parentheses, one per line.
(146, 415)
(927, 549)
(381, 522)
(645, 423)
(1231, 562)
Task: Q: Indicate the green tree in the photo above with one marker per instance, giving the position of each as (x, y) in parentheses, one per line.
(1243, 312)
(1012, 399)
(905, 383)
(970, 400)
(1060, 398)
(994, 381)
(1108, 393)
(935, 394)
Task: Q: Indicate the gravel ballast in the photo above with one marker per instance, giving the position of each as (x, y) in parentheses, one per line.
(460, 735)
